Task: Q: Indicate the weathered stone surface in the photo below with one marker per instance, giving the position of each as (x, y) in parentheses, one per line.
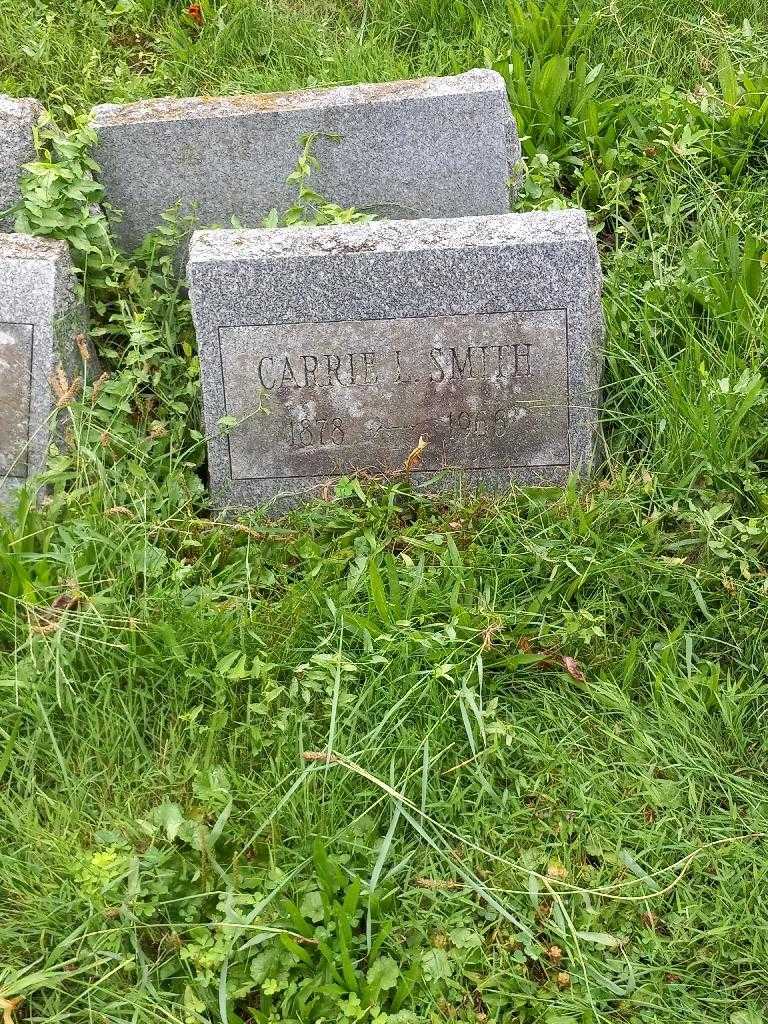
(336, 349)
(433, 147)
(17, 119)
(39, 322)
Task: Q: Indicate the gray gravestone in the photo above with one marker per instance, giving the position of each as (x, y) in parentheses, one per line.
(336, 349)
(40, 321)
(433, 147)
(17, 119)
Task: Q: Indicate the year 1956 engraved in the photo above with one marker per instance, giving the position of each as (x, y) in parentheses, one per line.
(493, 423)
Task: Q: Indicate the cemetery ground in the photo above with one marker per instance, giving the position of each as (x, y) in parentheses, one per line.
(398, 756)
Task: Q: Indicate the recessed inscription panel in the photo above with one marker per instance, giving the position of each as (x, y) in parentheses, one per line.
(15, 389)
(487, 391)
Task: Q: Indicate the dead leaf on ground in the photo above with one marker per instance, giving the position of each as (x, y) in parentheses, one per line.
(47, 620)
(551, 659)
(573, 668)
(9, 1006)
(414, 459)
(489, 633)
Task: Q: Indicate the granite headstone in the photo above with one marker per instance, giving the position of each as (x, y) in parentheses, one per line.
(17, 119)
(40, 327)
(432, 147)
(328, 351)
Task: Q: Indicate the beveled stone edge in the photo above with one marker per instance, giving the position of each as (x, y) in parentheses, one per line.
(223, 246)
(171, 108)
(14, 245)
(26, 107)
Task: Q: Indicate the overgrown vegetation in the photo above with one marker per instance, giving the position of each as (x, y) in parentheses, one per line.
(400, 756)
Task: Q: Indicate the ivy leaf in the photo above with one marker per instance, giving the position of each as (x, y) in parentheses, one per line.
(747, 1017)
(226, 424)
(312, 906)
(383, 973)
(436, 965)
(148, 559)
(170, 817)
(465, 938)
(600, 939)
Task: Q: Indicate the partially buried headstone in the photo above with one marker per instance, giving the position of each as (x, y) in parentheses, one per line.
(17, 119)
(40, 325)
(328, 351)
(433, 147)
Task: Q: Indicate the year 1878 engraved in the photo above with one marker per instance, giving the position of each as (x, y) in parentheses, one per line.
(306, 433)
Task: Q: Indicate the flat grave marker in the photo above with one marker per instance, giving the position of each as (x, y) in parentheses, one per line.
(432, 147)
(326, 351)
(17, 119)
(39, 323)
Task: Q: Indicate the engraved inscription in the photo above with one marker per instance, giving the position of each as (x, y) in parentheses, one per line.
(361, 369)
(486, 391)
(15, 391)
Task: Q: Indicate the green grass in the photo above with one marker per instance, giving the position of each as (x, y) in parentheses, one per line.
(89, 53)
(536, 839)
